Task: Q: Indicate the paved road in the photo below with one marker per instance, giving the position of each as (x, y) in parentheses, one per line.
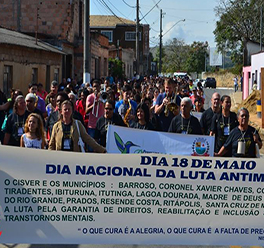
(208, 94)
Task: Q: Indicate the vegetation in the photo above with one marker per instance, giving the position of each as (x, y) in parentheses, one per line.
(116, 68)
(239, 22)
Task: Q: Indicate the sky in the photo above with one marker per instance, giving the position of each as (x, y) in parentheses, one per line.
(199, 15)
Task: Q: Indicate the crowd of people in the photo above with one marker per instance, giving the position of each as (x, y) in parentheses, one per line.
(74, 117)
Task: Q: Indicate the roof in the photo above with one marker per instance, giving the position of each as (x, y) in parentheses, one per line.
(108, 21)
(19, 39)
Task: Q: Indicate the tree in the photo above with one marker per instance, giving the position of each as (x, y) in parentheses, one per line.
(176, 51)
(196, 57)
(157, 56)
(116, 68)
(239, 22)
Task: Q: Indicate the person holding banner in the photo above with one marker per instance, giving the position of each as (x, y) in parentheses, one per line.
(66, 134)
(244, 140)
(222, 124)
(207, 116)
(109, 118)
(185, 123)
(142, 120)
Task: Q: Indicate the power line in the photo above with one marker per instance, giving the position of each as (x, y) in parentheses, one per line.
(183, 20)
(105, 4)
(156, 5)
(128, 4)
(151, 9)
(97, 7)
(179, 9)
(118, 10)
(148, 23)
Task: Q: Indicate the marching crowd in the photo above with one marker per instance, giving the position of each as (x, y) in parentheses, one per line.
(75, 117)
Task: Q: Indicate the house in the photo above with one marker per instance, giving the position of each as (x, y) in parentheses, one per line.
(251, 48)
(23, 61)
(122, 35)
(59, 23)
(253, 73)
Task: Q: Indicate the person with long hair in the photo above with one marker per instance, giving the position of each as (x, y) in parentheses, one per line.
(142, 120)
(15, 122)
(34, 132)
(66, 134)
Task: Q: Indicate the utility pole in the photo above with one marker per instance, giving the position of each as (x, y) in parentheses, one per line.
(261, 26)
(86, 44)
(160, 45)
(137, 40)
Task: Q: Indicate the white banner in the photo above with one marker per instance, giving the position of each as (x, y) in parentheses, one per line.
(216, 58)
(131, 140)
(76, 198)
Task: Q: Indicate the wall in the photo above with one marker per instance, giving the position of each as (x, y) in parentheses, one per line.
(57, 18)
(247, 85)
(257, 61)
(23, 60)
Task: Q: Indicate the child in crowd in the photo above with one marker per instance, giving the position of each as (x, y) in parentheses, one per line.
(34, 133)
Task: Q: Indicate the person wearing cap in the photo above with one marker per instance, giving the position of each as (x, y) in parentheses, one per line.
(40, 103)
(31, 105)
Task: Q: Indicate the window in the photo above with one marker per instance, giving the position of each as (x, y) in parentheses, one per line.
(56, 74)
(34, 78)
(109, 34)
(8, 79)
(131, 36)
